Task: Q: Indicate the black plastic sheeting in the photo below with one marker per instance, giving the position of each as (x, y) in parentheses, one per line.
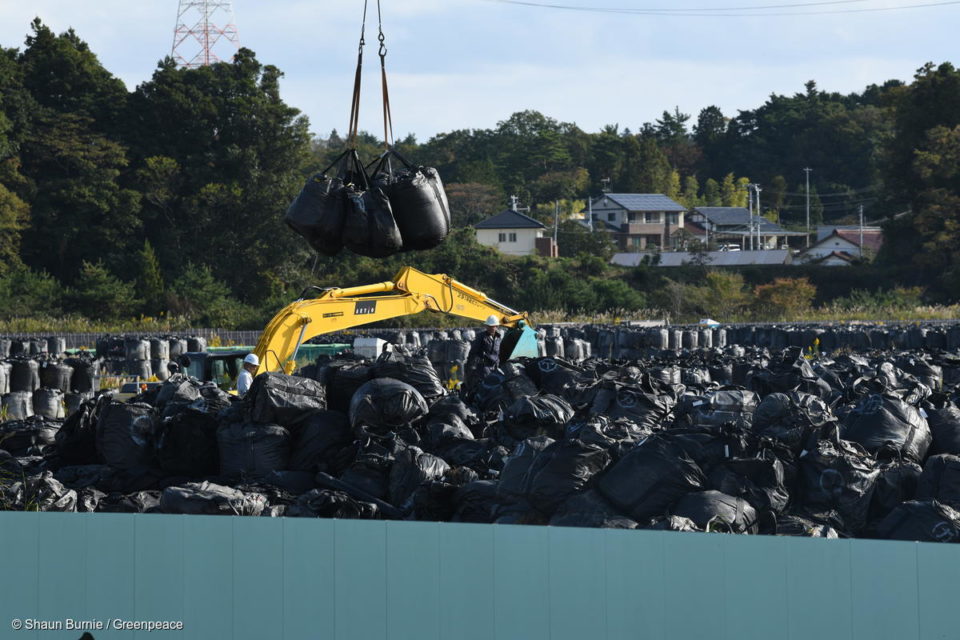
(849, 444)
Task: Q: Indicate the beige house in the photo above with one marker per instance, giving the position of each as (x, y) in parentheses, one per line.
(512, 233)
(637, 221)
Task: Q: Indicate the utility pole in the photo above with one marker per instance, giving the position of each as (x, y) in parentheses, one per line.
(556, 220)
(750, 218)
(807, 171)
(590, 211)
(861, 232)
(758, 190)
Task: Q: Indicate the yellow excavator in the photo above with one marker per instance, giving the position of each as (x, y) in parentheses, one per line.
(409, 292)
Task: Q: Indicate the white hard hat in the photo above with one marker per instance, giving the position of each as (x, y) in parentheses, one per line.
(492, 321)
(252, 359)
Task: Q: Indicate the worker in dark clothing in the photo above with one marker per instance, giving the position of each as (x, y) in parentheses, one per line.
(484, 356)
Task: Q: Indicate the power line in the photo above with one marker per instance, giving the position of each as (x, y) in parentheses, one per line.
(675, 10)
(721, 12)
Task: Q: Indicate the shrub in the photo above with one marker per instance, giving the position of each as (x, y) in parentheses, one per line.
(784, 298)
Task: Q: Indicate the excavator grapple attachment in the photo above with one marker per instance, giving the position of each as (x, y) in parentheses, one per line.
(520, 342)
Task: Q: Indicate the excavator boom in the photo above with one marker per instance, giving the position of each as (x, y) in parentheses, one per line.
(409, 292)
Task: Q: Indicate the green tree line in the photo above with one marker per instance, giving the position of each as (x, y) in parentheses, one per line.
(167, 199)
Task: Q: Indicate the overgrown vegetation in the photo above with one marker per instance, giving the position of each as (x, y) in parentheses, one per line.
(161, 207)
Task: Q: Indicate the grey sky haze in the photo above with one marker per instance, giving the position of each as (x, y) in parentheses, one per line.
(459, 64)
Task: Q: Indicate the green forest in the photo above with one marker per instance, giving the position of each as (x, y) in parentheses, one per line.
(163, 204)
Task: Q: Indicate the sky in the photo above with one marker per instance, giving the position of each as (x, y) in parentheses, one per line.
(468, 64)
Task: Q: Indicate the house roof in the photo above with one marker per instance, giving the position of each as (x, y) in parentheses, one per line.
(509, 219)
(825, 230)
(694, 228)
(643, 201)
(713, 258)
(872, 238)
(737, 216)
(839, 255)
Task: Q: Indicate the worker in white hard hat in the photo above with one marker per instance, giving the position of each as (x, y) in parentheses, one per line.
(484, 357)
(250, 365)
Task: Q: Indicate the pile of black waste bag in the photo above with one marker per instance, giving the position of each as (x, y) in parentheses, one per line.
(848, 445)
(375, 212)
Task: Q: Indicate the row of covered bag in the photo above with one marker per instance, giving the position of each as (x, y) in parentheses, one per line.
(374, 211)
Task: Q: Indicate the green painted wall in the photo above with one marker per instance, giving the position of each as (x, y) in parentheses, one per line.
(265, 579)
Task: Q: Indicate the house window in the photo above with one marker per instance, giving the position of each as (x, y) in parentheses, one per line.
(612, 216)
(513, 237)
(502, 237)
(673, 218)
(653, 241)
(631, 217)
(651, 218)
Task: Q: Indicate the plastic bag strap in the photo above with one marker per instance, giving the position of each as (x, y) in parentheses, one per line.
(387, 116)
(355, 103)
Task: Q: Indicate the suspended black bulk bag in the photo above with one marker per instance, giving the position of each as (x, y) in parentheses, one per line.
(321, 210)
(318, 212)
(417, 200)
(369, 228)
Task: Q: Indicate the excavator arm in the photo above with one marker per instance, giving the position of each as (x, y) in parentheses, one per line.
(411, 291)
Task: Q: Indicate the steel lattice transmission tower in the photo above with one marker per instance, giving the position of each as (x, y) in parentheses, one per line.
(204, 27)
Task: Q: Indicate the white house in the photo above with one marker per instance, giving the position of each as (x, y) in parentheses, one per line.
(841, 246)
(511, 233)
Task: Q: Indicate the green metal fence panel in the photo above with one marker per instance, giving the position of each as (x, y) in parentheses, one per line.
(298, 579)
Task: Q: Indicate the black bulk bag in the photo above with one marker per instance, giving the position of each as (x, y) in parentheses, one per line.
(55, 375)
(252, 449)
(944, 421)
(881, 419)
(126, 433)
(411, 468)
(276, 398)
(417, 200)
(27, 437)
(651, 477)
(318, 212)
(25, 376)
(537, 415)
(384, 405)
(369, 228)
(86, 374)
(414, 370)
(18, 405)
(327, 503)
(896, 483)
(940, 480)
(761, 480)
(187, 444)
(589, 509)
(923, 521)
(206, 498)
(320, 437)
(512, 484)
(839, 475)
(716, 511)
(563, 469)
